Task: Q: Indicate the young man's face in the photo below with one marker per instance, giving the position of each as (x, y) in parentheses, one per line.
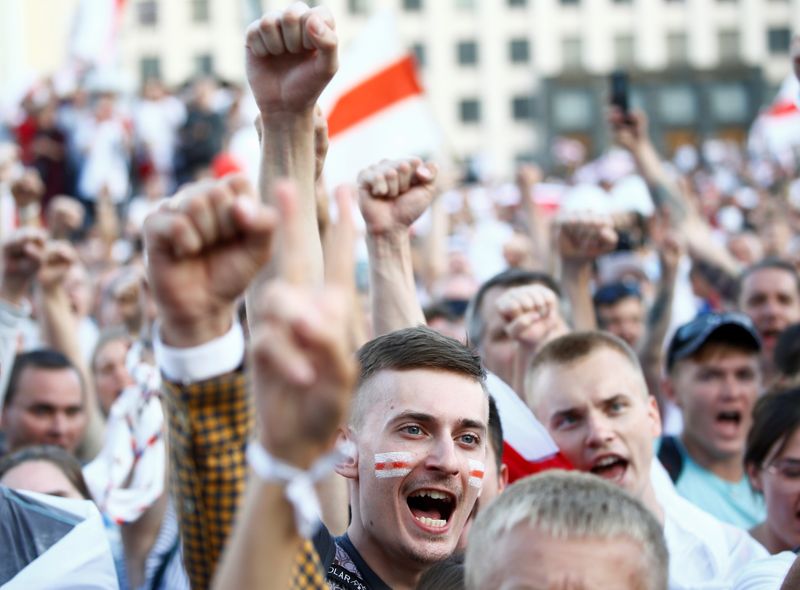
(624, 319)
(599, 414)
(770, 297)
(716, 390)
(412, 505)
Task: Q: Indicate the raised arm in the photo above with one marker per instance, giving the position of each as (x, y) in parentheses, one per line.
(392, 196)
(582, 238)
(671, 204)
(303, 376)
(291, 56)
(60, 331)
(204, 247)
(21, 258)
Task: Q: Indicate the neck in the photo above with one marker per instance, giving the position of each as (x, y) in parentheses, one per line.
(766, 536)
(648, 498)
(395, 573)
(729, 467)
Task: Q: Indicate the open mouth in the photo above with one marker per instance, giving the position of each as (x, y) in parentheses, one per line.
(611, 467)
(729, 422)
(730, 417)
(432, 508)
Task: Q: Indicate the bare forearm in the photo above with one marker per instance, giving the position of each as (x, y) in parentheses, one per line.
(261, 556)
(657, 324)
(394, 296)
(60, 328)
(287, 151)
(576, 277)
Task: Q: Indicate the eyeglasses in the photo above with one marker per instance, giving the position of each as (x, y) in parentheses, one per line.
(787, 468)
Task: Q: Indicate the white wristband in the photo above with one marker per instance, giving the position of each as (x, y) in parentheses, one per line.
(300, 490)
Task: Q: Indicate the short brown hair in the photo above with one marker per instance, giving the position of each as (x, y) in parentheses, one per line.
(574, 347)
(414, 348)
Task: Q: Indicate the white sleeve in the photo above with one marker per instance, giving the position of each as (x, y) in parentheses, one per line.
(199, 363)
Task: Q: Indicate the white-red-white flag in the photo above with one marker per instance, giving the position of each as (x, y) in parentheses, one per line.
(527, 446)
(375, 105)
(95, 31)
(777, 129)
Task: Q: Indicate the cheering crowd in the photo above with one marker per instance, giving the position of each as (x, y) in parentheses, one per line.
(241, 385)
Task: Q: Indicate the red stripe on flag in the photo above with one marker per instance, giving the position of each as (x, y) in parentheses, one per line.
(478, 474)
(786, 107)
(519, 466)
(392, 465)
(389, 86)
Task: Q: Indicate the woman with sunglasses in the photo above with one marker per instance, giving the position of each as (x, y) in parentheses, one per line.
(772, 461)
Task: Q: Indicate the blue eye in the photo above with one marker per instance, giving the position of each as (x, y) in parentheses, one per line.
(413, 429)
(470, 439)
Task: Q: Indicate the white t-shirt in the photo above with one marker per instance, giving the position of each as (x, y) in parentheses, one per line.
(704, 553)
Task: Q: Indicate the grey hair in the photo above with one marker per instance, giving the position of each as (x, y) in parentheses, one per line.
(566, 505)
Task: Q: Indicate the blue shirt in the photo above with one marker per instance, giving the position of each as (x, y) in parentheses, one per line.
(733, 502)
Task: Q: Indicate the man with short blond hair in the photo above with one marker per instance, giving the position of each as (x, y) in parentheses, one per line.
(588, 391)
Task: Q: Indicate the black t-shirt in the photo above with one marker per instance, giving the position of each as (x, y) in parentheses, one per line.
(345, 569)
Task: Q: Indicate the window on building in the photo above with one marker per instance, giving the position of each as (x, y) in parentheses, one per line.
(778, 40)
(358, 6)
(677, 48)
(570, 2)
(514, 3)
(465, 4)
(572, 109)
(200, 11)
(677, 104)
(204, 64)
(470, 110)
(147, 13)
(729, 46)
(522, 108)
(519, 51)
(624, 50)
(467, 53)
(149, 67)
(729, 103)
(572, 53)
(623, 1)
(412, 5)
(418, 49)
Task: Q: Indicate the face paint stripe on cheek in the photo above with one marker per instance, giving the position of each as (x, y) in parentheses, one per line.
(396, 464)
(476, 469)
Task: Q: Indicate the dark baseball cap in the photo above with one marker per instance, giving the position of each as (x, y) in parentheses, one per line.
(732, 327)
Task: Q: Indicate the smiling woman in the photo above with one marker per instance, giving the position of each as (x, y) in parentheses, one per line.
(772, 459)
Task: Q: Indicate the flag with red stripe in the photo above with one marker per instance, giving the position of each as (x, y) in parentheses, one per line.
(375, 105)
(527, 446)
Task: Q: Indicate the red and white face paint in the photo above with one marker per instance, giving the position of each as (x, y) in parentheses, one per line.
(396, 464)
(476, 469)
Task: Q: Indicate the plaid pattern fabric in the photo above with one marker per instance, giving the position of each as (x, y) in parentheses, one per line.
(210, 423)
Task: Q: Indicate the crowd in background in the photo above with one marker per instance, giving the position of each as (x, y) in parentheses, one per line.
(672, 253)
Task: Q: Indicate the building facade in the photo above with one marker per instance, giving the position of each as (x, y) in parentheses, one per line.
(506, 76)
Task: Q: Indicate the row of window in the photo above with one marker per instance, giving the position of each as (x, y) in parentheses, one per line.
(523, 108)
(519, 49)
(147, 12)
(363, 6)
(150, 66)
